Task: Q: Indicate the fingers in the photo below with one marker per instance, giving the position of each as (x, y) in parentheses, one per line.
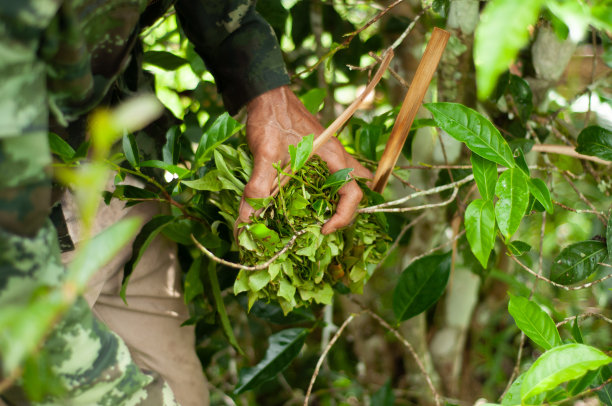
(259, 186)
(350, 196)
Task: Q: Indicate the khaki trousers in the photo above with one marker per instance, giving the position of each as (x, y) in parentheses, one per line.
(150, 323)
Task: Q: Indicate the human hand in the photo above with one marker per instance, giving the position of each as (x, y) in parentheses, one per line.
(277, 119)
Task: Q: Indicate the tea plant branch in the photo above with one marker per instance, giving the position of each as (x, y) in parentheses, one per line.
(597, 213)
(584, 316)
(372, 209)
(410, 348)
(583, 197)
(333, 340)
(558, 285)
(245, 267)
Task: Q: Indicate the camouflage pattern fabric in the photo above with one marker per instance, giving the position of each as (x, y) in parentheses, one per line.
(59, 58)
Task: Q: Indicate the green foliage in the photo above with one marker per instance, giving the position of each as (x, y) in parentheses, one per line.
(513, 193)
(534, 322)
(595, 141)
(577, 262)
(480, 229)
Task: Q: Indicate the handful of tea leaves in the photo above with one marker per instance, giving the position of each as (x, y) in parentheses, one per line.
(309, 269)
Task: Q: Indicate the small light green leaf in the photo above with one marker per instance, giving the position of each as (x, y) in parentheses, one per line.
(508, 19)
(60, 147)
(595, 141)
(260, 203)
(211, 270)
(146, 235)
(286, 290)
(513, 194)
(480, 229)
(534, 322)
(337, 179)
(130, 149)
(473, 129)
(210, 181)
(420, 285)
(223, 128)
(263, 233)
(313, 100)
(540, 191)
(577, 261)
(164, 60)
(485, 174)
(518, 248)
(299, 155)
(561, 364)
(283, 347)
(523, 98)
(258, 280)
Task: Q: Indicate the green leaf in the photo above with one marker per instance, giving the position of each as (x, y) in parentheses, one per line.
(130, 149)
(595, 141)
(441, 7)
(146, 235)
(577, 261)
(521, 163)
(164, 60)
(223, 128)
(518, 248)
(384, 396)
(172, 147)
(578, 385)
(540, 191)
(523, 98)
(337, 179)
(259, 203)
(299, 155)
(211, 270)
(513, 194)
(366, 140)
(60, 147)
(480, 229)
(576, 333)
(534, 322)
(210, 181)
(507, 19)
(473, 129)
(283, 347)
(513, 396)
(605, 393)
(485, 174)
(193, 282)
(174, 169)
(420, 285)
(561, 364)
(313, 100)
(272, 312)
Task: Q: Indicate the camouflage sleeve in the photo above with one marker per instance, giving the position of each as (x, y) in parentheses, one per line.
(93, 363)
(237, 45)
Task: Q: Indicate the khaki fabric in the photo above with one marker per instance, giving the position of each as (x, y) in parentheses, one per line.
(150, 323)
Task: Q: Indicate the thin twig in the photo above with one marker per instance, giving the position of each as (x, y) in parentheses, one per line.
(583, 198)
(402, 37)
(410, 348)
(567, 151)
(245, 267)
(580, 211)
(324, 354)
(405, 182)
(558, 285)
(405, 209)
(584, 393)
(584, 316)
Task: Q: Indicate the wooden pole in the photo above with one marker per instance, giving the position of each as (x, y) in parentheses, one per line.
(414, 97)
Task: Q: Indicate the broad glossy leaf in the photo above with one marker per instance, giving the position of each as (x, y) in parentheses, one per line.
(485, 174)
(313, 99)
(605, 393)
(172, 147)
(480, 229)
(338, 179)
(595, 141)
(367, 140)
(60, 147)
(420, 285)
(513, 396)
(473, 129)
(534, 322)
(523, 98)
(283, 347)
(540, 191)
(561, 364)
(299, 154)
(521, 162)
(513, 193)
(130, 149)
(164, 60)
(507, 19)
(146, 235)
(577, 261)
(223, 128)
(211, 270)
(518, 248)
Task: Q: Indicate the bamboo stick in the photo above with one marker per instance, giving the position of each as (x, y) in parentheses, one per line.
(412, 102)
